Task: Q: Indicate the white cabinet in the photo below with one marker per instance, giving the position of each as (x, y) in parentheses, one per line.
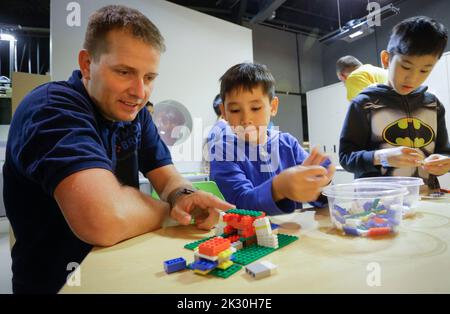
(327, 107)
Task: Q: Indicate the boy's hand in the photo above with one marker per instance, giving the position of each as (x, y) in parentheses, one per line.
(399, 157)
(300, 183)
(437, 164)
(316, 158)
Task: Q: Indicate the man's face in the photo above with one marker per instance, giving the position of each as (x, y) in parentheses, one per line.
(121, 80)
(406, 73)
(248, 112)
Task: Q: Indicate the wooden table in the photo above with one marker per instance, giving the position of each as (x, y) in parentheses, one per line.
(415, 260)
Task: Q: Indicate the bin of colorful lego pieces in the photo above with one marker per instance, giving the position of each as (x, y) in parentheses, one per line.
(412, 184)
(366, 209)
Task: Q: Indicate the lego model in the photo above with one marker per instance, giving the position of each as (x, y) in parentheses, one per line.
(242, 237)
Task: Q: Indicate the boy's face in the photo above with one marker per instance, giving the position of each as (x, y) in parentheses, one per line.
(249, 112)
(406, 73)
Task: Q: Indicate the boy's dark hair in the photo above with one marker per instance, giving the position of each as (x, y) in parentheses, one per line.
(346, 63)
(216, 105)
(247, 76)
(418, 36)
(119, 17)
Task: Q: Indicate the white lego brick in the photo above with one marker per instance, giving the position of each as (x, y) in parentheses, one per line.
(260, 270)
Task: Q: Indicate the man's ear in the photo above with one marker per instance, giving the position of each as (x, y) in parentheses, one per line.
(274, 106)
(84, 61)
(384, 56)
(342, 76)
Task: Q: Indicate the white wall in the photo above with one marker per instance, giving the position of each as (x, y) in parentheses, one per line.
(200, 48)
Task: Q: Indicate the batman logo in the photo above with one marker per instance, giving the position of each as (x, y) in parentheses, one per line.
(399, 133)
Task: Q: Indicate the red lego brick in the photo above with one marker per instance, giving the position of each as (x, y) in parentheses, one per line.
(214, 246)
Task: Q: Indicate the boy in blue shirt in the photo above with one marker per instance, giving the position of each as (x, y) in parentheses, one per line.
(256, 167)
(399, 129)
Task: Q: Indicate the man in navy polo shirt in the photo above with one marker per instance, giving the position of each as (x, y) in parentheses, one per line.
(74, 151)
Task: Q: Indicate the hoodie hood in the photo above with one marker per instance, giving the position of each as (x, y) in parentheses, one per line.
(382, 94)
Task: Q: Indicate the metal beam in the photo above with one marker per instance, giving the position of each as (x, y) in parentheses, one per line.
(240, 11)
(267, 11)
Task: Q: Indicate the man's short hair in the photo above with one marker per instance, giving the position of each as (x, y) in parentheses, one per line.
(119, 17)
(418, 36)
(247, 76)
(347, 63)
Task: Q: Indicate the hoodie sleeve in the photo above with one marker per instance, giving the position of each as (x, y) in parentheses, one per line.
(354, 140)
(240, 191)
(442, 142)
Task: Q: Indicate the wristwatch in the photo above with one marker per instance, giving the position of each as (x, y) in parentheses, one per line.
(183, 191)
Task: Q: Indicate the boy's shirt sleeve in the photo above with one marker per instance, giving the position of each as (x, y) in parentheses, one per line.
(355, 136)
(240, 191)
(442, 141)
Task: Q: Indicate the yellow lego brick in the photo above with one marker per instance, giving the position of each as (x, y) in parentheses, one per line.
(225, 265)
(202, 272)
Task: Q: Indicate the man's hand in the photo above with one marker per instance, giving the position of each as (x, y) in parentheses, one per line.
(399, 157)
(437, 164)
(203, 207)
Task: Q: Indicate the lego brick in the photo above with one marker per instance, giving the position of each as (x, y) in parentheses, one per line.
(261, 269)
(237, 245)
(227, 272)
(244, 212)
(174, 265)
(203, 265)
(214, 246)
(193, 245)
(202, 272)
(225, 265)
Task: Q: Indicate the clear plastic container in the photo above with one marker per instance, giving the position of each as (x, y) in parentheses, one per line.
(411, 183)
(366, 209)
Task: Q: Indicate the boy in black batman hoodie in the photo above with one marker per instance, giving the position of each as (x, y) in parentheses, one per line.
(399, 129)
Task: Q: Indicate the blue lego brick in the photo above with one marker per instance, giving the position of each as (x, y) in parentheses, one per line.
(203, 265)
(173, 265)
(274, 226)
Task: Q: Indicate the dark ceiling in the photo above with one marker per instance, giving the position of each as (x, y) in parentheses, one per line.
(300, 16)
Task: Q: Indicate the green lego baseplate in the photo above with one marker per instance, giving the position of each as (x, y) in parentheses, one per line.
(244, 212)
(253, 252)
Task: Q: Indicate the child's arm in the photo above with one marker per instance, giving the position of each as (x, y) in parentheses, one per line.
(398, 157)
(300, 183)
(437, 164)
(239, 190)
(354, 154)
